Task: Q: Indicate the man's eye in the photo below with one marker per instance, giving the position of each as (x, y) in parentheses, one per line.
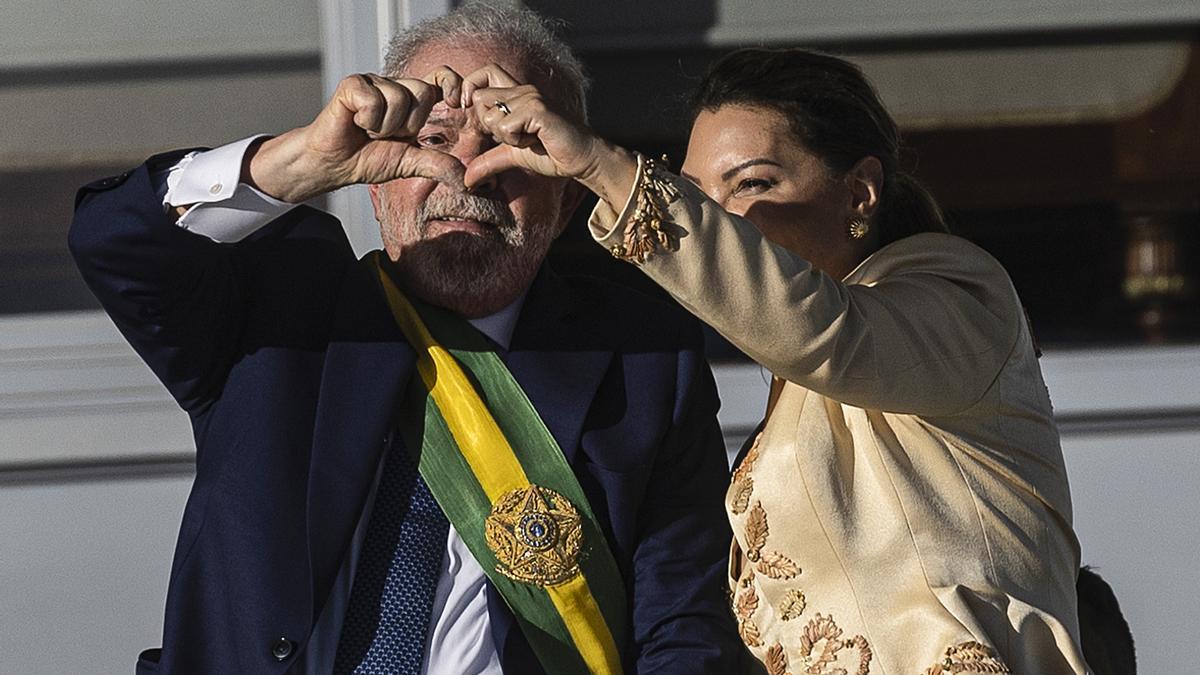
(432, 140)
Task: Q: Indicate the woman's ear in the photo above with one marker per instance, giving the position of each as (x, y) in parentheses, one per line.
(865, 180)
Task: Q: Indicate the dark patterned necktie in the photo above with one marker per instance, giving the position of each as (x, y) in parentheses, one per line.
(388, 615)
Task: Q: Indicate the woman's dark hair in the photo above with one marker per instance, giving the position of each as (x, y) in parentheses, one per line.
(835, 113)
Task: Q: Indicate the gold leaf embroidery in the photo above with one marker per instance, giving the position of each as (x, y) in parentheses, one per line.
(820, 628)
(777, 662)
(864, 653)
(823, 635)
(777, 565)
(741, 495)
(968, 657)
(650, 230)
(756, 531)
(747, 603)
(744, 607)
(793, 605)
(749, 632)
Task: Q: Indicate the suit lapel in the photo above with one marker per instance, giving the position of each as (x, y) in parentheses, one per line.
(559, 355)
(368, 364)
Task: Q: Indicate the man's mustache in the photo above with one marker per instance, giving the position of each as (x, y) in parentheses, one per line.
(463, 206)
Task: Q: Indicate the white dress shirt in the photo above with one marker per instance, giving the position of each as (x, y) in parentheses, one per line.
(459, 639)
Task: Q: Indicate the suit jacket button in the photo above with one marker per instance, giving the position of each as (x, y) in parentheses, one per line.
(282, 649)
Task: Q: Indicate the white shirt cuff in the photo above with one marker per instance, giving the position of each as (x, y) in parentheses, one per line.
(222, 207)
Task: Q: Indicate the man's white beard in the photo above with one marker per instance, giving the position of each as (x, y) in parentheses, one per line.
(471, 274)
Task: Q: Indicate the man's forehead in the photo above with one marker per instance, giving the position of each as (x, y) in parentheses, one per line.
(443, 115)
(465, 61)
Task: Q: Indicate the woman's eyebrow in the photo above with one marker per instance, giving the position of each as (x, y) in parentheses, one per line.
(747, 164)
(732, 172)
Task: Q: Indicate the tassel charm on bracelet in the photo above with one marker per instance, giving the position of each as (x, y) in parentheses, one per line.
(649, 229)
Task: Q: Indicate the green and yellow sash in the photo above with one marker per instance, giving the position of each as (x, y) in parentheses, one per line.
(503, 482)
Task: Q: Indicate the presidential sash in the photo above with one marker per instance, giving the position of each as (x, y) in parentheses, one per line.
(503, 482)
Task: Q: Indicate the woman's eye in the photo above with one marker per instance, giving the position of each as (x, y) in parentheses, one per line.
(751, 186)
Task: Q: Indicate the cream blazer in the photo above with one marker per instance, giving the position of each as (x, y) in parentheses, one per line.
(905, 508)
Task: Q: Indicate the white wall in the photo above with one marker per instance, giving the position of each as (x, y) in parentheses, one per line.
(83, 571)
(110, 82)
(1136, 514)
(81, 32)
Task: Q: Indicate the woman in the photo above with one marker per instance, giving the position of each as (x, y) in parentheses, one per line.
(904, 508)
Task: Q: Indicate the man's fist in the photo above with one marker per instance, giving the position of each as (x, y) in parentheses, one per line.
(367, 133)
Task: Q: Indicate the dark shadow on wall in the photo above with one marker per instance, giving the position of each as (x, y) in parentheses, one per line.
(1060, 206)
(643, 59)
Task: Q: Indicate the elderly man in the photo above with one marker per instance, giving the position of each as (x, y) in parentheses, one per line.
(365, 502)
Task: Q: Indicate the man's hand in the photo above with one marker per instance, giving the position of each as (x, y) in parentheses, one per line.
(535, 137)
(367, 133)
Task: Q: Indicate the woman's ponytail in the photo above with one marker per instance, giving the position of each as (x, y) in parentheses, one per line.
(907, 208)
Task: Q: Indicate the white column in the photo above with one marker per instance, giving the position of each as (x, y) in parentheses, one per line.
(354, 37)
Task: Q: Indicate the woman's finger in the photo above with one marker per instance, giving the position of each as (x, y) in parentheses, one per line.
(545, 142)
(493, 105)
(489, 98)
(491, 75)
(512, 121)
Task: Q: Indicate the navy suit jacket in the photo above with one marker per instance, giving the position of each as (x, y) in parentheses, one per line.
(282, 351)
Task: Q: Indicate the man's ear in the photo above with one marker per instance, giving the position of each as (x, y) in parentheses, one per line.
(376, 200)
(865, 180)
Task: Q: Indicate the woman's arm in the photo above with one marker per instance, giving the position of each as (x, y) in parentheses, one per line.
(922, 326)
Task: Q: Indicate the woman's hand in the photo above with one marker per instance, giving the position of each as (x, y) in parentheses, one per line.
(535, 137)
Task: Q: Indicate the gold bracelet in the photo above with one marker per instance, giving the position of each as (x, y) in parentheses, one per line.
(648, 230)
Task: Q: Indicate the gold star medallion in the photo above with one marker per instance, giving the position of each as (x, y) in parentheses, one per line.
(536, 534)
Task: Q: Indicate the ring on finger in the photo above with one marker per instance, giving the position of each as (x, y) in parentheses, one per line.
(503, 107)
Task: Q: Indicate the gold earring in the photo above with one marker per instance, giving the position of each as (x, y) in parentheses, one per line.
(859, 227)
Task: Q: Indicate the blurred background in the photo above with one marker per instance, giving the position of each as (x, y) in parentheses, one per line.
(1061, 135)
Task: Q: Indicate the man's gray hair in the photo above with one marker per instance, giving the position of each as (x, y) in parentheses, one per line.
(511, 28)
